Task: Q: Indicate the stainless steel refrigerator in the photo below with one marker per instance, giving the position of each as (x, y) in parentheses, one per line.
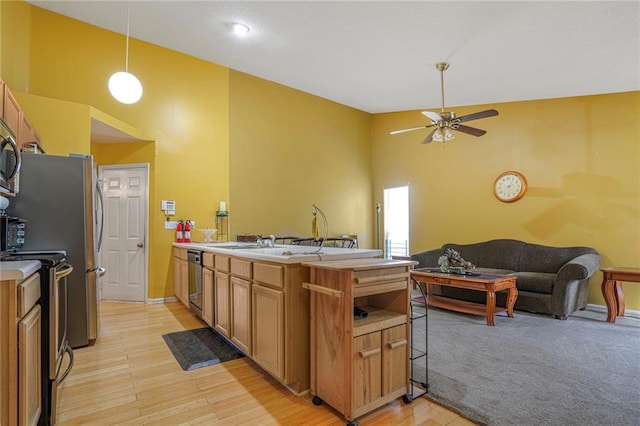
(62, 202)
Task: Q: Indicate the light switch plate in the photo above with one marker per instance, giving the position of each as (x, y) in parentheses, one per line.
(170, 224)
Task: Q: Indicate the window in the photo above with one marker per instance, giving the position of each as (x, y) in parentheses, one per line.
(396, 221)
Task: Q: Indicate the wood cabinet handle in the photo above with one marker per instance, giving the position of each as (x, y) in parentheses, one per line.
(323, 290)
(397, 344)
(381, 278)
(368, 352)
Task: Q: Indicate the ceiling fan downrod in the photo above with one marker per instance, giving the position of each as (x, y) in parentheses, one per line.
(442, 67)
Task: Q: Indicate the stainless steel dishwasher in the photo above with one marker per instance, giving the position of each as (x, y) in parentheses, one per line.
(195, 281)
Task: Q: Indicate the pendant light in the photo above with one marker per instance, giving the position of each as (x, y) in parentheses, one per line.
(124, 86)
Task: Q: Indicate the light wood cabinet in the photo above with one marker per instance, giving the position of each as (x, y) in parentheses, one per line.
(29, 369)
(267, 308)
(262, 308)
(181, 275)
(222, 311)
(27, 133)
(222, 295)
(16, 119)
(208, 279)
(359, 363)
(241, 313)
(207, 295)
(12, 113)
(20, 351)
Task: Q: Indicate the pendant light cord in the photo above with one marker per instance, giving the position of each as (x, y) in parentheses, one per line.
(126, 59)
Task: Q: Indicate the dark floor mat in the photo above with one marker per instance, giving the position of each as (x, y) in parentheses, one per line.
(199, 348)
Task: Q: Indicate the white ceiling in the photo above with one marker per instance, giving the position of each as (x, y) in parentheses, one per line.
(380, 56)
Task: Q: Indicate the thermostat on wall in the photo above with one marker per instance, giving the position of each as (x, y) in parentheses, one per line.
(169, 207)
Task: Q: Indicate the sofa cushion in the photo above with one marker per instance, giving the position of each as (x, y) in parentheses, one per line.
(535, 282)
(493, 271)
(496, 254)
(539, 258)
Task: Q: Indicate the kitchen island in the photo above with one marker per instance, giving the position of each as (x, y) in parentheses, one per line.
(253, 295)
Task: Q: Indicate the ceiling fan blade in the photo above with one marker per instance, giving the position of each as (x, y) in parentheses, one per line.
(433, 116)
(395, 132)
(429, 137)
(470, 130)
(477, 115)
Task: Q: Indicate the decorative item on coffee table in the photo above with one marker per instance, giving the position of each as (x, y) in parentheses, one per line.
(451, 262)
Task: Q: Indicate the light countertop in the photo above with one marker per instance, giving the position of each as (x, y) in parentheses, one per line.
(281, 253)
(18, 270)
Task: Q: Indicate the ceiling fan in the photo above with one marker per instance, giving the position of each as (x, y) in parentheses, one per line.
(446, 121)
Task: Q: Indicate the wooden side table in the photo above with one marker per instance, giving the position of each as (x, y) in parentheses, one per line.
(612, 279)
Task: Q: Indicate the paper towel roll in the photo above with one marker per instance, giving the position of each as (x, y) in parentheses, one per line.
(223, 206)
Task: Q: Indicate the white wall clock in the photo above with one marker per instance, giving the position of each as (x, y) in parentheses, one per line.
(510, 186)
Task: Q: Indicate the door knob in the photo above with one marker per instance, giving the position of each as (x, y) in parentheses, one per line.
(140, 245)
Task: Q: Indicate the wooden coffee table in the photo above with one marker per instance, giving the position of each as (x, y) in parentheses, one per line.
(488, 283)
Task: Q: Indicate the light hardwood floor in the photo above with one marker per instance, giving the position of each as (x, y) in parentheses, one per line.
(130, 377)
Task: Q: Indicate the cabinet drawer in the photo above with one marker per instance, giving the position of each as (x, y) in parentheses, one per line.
(241, 267)
(269, 274)
(180, 253)
(207, 260)
(222, 263)
(28, 294)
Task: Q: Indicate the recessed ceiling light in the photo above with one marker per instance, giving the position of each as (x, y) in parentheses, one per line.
(240, 29)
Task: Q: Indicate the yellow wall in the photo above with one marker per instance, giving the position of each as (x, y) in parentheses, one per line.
(581, 157)
(63, 126)
(271, 152)
(15, 26)
(184, 110)
(290, 150)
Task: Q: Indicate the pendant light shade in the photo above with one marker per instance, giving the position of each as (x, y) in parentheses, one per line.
(124, 86)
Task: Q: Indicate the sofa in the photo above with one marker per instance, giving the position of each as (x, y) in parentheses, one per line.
(550, 280)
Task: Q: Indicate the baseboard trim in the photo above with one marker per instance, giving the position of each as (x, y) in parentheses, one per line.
(602, 308)
(162, 300)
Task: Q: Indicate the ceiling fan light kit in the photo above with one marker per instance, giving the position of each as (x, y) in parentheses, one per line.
(446, 121)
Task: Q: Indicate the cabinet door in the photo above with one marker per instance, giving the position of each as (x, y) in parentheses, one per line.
(27, 132)
(221, 312)
(395, 359)
(268, 329)
(241, 314)
(184, 282)
(207, 296)
(367, 380)
(29, 373)
(12, 112)
(177, 278)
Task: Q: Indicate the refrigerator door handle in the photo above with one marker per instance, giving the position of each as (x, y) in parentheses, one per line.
(99, 189)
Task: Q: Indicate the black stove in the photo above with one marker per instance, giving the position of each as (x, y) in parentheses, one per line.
(47, 258)
(53, 304)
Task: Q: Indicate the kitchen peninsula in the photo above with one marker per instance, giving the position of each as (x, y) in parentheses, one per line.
(253, 295)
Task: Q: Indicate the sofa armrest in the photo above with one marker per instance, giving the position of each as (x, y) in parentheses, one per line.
(427, 258)
(579, 268)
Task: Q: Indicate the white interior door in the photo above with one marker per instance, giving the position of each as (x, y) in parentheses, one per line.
(124, 252)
